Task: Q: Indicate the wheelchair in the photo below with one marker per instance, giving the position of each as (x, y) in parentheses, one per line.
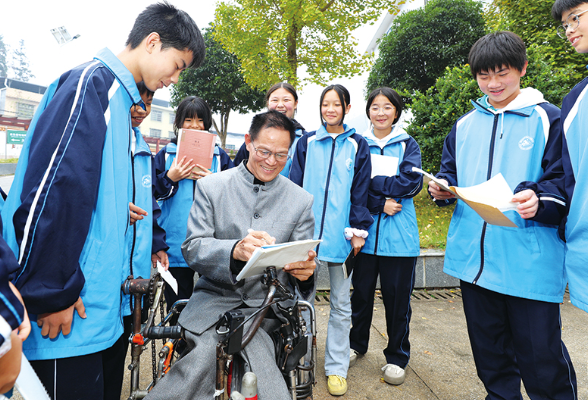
(294, 340)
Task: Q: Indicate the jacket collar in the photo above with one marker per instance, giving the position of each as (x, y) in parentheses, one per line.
(140, 145)
(524, 103)
(398, 135)
(122, 74)
(322, 133)
(251, 180)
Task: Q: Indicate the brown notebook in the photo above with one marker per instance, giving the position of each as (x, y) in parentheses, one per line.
(196, 145)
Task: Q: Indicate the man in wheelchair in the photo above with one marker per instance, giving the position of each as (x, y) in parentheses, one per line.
(233, 213)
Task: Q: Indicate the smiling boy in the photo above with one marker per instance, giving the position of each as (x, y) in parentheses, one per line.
(69, 203)
(512, 279)
(573, 15)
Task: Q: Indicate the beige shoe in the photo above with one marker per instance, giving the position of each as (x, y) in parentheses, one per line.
(393, 374)
(337, 385)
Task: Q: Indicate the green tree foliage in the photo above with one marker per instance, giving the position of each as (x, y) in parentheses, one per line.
(423, 42)
(274, 38)
(436, 110)
(20, 64)
(220, 83)
(3, 54)
(532, 21)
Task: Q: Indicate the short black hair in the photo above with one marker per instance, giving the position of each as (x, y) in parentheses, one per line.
(496, 50)
(144, 89)
(560, 6)
(175, 27)
(271, 119)
(391, 95)
(191, 107)
(281, 85)
(344, 98)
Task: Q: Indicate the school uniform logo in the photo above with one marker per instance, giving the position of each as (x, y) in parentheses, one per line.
(146, 181)
(349, 164)
(526, 143)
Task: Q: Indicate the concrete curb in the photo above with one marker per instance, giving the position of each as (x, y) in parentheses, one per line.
(7, 169)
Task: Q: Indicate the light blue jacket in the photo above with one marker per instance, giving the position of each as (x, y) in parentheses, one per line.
(337, 173)
(523, 142)
(574, 117)
(396, 235)
(175, 199)
(69, 204)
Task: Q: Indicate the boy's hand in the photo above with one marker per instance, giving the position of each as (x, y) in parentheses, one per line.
(53, 323)
(180, 170)
(302, 270)
(160, 256)
(357, 243)
(392, 207)
(438, 193)
(529, 203)
(136, 213)
(201, 173)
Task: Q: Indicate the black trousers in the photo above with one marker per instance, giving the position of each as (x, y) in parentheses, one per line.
(185, 278)
(514, 338)
(396, 281)
(97, 376)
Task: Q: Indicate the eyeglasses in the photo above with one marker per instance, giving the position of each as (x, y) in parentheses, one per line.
(265, 154)
(572, 22)
(386, 109)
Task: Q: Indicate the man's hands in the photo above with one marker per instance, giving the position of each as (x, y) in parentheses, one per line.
(438, 193)
(180, 170)
(245, 248)
(302, 270)
(160, 256)
(53, 323)
(528, 203)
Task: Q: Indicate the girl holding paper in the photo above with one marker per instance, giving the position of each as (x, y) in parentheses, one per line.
(175, 192)
(392, 245)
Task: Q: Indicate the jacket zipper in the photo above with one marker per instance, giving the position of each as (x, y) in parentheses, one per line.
(379, 219)
(135, 224)
(488, 176)
(326, 194)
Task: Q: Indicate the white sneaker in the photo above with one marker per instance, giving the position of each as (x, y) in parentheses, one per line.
(393, 374)
(353, 355)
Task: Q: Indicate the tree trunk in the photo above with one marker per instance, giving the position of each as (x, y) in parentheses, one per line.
(292, 55)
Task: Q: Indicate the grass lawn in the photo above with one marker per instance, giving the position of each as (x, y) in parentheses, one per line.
(433, 221)
(9, 160)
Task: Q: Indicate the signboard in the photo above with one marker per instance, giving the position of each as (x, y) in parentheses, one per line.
(15, 137)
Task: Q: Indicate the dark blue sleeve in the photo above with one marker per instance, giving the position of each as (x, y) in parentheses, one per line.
(164, 187)
(448, 170)
(359, 215)
(405, 185)
(61, 207)
(551, 186)
(11, 309)
(225, 160)
(299, 160)
(158, 240)
(242, 154)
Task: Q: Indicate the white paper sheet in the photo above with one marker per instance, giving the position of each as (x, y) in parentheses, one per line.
(168, 277)
(384, 165)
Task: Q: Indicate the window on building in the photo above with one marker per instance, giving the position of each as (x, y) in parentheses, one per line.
(170, 134)
(230, 147)
(156, 116)
(172, 118)
(156, 133)
(24, 110)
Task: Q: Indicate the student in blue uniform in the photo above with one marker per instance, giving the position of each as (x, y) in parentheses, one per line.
(512, 279)
(281, 97)
(69, 202)
(333, 164)
(392, 245)
(175, 184)
(573, 15)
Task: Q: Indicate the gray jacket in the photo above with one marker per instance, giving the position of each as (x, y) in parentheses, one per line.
(225, 206)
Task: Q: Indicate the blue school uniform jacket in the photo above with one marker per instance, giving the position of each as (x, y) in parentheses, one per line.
(396, 235)
(175, 199)
(69, 204)
(574, 117)
(337, 173)
(145, 236)
(523, 142)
